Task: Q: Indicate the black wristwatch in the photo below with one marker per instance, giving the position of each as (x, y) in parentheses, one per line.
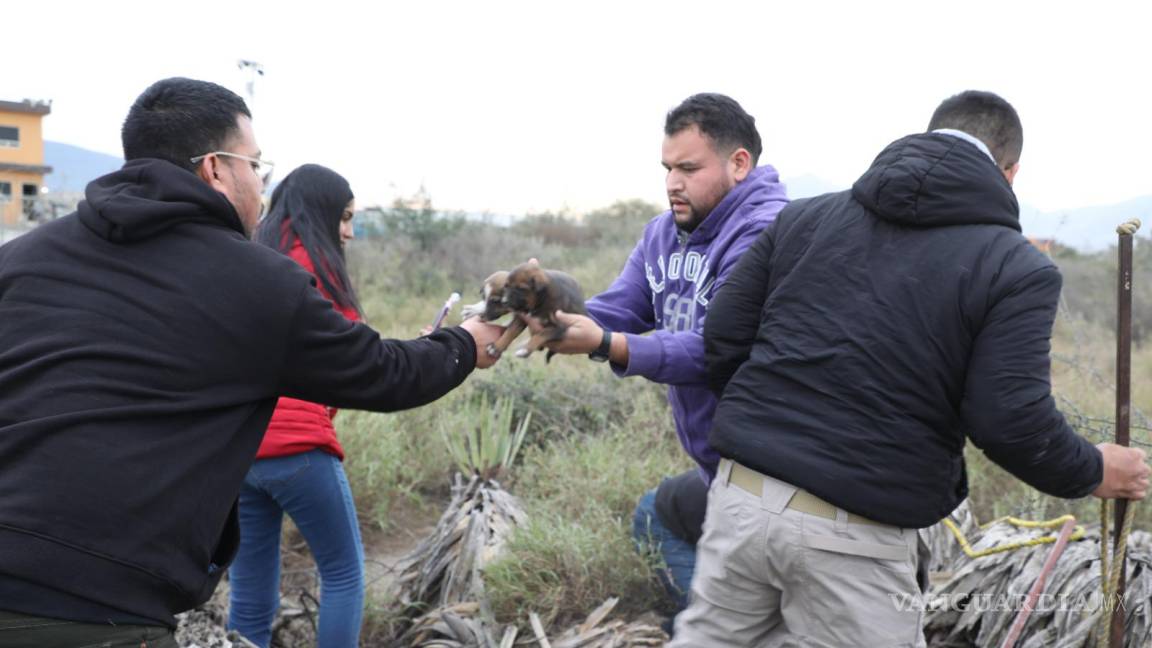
(601, 352)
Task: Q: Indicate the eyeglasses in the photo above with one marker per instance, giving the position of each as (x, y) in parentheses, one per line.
(262, 168)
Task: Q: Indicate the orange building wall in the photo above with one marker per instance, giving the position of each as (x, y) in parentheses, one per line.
(30, 151)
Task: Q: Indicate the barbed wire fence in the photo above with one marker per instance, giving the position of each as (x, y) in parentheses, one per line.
(1096, 427)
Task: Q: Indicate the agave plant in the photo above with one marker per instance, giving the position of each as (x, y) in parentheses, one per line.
(445, 571)
(482, 438)
(442, 581)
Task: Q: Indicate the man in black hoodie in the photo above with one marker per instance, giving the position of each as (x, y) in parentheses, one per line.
(144, 341)
(858, 343)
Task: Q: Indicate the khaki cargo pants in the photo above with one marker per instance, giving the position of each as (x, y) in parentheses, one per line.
(770, 574)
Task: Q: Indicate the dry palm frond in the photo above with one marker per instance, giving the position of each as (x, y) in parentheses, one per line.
(463, 626)
(455, 626)
(978, 603)
(459, 626)
(943, 545)
(596, 632)
(445, 569)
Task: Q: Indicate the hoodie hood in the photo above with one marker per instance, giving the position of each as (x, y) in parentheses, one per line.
(936, 180)
(148, 196)
(762, 186)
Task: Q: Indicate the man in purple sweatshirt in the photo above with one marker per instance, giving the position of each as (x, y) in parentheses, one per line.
(720, 202)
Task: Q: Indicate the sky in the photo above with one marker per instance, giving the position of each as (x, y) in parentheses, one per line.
(516, 107)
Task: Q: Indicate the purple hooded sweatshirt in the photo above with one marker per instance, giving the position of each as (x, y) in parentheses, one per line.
(665, 287)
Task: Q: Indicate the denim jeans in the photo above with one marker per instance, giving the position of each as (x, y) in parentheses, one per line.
(310, 487)
(679, 556)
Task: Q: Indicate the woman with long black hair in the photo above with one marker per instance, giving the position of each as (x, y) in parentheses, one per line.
(298, 468)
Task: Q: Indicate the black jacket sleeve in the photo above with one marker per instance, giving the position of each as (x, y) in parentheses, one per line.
(345, 364)
(734, 315)
(1008, 409)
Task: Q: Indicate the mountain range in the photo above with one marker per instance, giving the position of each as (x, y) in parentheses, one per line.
(73, 167)
(1088, 229)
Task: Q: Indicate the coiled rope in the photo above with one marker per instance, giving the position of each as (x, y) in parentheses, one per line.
(1012, 546)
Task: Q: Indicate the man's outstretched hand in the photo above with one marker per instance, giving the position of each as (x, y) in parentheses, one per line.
(483, 334)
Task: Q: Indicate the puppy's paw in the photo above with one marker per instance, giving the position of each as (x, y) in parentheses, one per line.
(472, 310)
(493, 352)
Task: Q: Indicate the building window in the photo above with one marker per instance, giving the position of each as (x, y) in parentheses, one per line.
(9, 138)
(31, 194)
(5, 191)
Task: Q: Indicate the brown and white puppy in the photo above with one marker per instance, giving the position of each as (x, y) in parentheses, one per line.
(492, 307)
(532, 291)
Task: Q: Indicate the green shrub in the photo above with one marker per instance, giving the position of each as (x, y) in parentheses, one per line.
(577, 549)
(581, 475)
(566, 396)
(393, 457)
(623, 220)
(562, 569)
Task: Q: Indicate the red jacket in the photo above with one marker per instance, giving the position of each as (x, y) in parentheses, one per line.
(299, 426)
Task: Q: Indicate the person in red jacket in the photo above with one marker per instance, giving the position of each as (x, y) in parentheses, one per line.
(298, 467)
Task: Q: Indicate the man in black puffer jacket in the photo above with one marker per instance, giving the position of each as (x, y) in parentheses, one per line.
(144, 341)
(858, 343)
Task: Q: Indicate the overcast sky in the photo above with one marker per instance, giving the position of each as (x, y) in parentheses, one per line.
(512, 107)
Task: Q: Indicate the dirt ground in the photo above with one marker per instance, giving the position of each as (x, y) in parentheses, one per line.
(385, 550)
(295, 623)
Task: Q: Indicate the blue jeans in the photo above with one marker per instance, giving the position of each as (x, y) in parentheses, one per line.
(679, 556)
(312, 488)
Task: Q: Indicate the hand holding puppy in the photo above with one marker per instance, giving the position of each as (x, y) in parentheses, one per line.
(582, 335)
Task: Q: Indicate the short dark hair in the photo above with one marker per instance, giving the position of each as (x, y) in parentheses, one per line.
(178, 119)
(720, 118)
(987, 117)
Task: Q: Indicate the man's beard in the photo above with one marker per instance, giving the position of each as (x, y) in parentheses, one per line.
(695, 217)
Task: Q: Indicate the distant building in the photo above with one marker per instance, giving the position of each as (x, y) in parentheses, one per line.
(22, 168)
(1042, 244)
